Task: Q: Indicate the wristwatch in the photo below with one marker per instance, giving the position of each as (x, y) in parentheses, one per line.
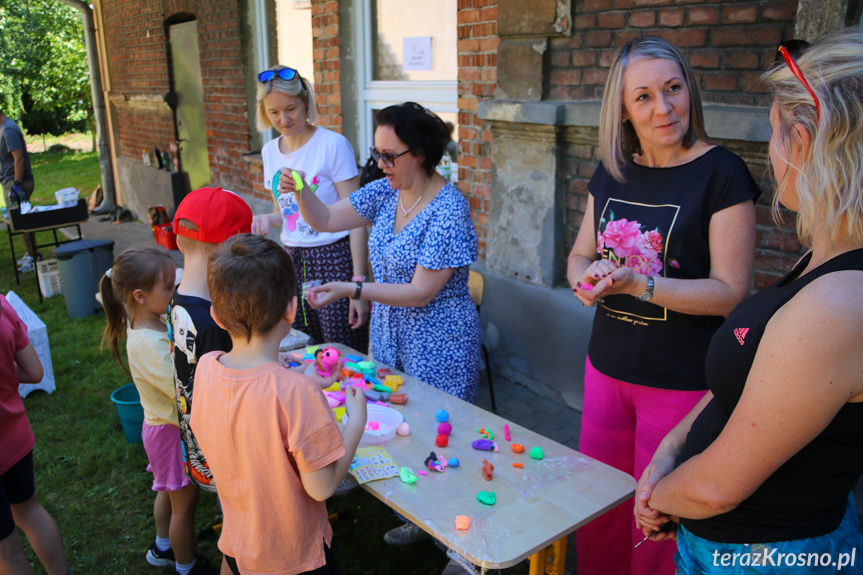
(359, 291)
(648, 293)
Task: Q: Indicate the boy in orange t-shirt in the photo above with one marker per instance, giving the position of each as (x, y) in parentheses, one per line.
(271, 440)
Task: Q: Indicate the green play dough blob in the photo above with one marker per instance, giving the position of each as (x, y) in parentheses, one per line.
(366, 365)
(485, 497)
(536, 453)
(409, 476)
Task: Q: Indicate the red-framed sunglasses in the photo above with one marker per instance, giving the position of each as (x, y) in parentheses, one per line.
(799, 75)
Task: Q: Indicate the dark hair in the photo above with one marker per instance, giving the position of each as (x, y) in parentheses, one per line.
(795, 47)
(251, 281)
(420, 129)
(137, 268)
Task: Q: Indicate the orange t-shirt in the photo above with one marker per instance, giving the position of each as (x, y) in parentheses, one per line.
(259, 427)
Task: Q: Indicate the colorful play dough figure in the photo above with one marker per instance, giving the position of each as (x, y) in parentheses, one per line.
(432, 463)
(298, 181)
(441, 440)
(407, 475)
(536, 453)
(506, 433)
(462, 522)
(326, 360)
(453, 462)
(441, 415)
(484, 445)
(486, 497)
(487, 470)
(444, 428)
(517, 448)
(404, 429)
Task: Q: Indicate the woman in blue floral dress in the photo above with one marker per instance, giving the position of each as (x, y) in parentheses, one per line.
(421, 244)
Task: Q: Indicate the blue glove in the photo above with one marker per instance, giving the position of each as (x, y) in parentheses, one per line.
(15, 196)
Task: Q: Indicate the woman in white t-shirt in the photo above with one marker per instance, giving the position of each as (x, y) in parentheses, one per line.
(325, 160)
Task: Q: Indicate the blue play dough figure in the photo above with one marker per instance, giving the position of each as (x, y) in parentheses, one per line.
(441, 415)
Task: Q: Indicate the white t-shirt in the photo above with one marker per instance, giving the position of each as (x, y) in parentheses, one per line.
(325, 159)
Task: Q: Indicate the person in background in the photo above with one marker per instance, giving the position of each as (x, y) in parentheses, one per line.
(270, 437)
(18, 504)
(136, 292)
(16, 175)
(764, 466)
(286, 102)
(664, 251)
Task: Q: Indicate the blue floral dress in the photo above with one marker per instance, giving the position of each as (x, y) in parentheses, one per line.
(438, 343)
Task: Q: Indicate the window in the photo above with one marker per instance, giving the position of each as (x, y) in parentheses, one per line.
(393, 31)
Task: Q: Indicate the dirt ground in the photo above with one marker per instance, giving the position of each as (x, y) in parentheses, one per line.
(79, 142)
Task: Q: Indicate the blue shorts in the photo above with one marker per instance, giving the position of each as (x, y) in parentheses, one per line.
(840, 551)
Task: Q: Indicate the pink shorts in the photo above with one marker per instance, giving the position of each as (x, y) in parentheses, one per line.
(162, 444)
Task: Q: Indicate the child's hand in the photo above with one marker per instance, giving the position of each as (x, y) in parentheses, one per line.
(355, 404)
(324, 382)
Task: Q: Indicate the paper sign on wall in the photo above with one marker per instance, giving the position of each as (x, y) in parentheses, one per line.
(417, 54)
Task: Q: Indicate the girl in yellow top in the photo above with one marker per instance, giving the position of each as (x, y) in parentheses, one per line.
(136, 292)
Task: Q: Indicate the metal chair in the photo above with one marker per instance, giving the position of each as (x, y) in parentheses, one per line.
(476, 285)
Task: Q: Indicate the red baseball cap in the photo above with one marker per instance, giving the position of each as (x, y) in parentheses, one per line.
(219, 215)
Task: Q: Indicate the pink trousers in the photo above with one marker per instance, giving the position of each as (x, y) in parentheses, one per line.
(622, 425)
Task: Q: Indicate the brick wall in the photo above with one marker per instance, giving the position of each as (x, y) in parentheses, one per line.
(728, 44)
(138, 67)
(477, 80)
(326, 53)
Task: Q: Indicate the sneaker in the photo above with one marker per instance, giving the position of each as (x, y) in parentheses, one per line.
(158, 558)
(25, 260)
(407, 533)
(347, 485)
(26, 268)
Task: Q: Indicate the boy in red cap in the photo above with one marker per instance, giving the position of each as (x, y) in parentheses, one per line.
(205, 218)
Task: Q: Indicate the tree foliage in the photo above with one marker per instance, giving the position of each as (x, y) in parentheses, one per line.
(44, 79)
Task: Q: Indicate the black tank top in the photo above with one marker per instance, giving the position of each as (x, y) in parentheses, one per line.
(808, 495)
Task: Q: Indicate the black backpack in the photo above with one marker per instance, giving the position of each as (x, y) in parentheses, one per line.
(370, 172)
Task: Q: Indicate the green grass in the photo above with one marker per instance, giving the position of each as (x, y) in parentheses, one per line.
(95, 484)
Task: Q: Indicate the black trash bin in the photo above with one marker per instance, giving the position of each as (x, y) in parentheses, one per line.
(82, 264)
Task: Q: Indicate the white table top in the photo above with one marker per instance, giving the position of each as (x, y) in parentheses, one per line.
(536, 505)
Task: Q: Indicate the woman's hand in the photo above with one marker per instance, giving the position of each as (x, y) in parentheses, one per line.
(261, 225)
(646, 518)
(287, 184)
(604, 277)
(358, 313)
(322, 296)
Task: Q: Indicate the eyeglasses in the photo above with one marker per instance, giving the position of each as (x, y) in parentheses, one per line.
(799, 75)
(389, 160)
(286, 74)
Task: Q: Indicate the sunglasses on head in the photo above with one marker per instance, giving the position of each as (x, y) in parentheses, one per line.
(799, 75)
(389, 160)
(286, 74)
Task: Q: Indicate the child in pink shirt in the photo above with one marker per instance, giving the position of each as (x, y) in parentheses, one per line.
(271, 439)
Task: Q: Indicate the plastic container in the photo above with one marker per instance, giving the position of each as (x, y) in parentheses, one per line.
(67, 196)
(388, 418)
(128, 404)
(82, 264)
(49, 277)
(165, 236)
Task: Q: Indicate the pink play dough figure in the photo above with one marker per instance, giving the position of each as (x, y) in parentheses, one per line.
(326, 361)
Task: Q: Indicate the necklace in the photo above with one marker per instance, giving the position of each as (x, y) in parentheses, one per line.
(410, 209)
